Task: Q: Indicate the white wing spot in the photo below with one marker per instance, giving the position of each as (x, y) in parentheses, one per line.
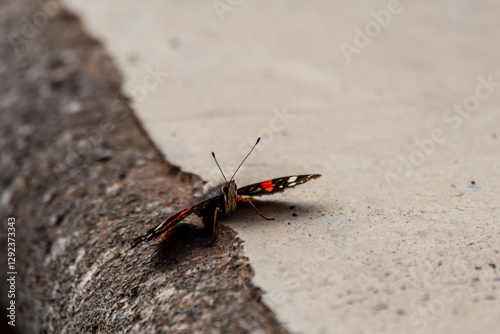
(292, 184)
(292, 179)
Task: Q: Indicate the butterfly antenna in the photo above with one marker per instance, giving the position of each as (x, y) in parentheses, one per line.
(213, 154)
(237, 169)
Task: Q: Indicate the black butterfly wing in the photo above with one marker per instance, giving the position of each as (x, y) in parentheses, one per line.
(273, 186)
(199, 209)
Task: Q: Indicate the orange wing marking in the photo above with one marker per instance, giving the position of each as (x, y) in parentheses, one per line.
(173, 220)
(267, 186)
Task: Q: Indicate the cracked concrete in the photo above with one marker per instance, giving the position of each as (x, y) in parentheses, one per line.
(394, 102)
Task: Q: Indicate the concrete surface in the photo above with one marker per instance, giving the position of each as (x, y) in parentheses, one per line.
(395, 103)
(80, 179)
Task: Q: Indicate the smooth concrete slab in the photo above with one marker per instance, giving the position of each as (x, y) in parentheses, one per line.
(394, 102)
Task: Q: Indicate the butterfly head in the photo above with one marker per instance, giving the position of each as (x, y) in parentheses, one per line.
(229, 189)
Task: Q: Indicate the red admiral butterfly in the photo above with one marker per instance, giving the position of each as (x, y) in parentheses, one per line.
(224, 198)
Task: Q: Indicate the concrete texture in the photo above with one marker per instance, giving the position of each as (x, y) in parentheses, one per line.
(395, 103)
(80, 179)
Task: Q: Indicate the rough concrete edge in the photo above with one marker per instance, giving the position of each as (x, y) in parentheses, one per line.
(51, 215)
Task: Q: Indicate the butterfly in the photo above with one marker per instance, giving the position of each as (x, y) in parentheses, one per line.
(224, 198)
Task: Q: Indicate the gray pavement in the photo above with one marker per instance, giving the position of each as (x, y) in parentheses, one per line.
(395, 103)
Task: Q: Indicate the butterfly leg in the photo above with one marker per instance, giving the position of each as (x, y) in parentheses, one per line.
(255, 208)
(214, 229)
